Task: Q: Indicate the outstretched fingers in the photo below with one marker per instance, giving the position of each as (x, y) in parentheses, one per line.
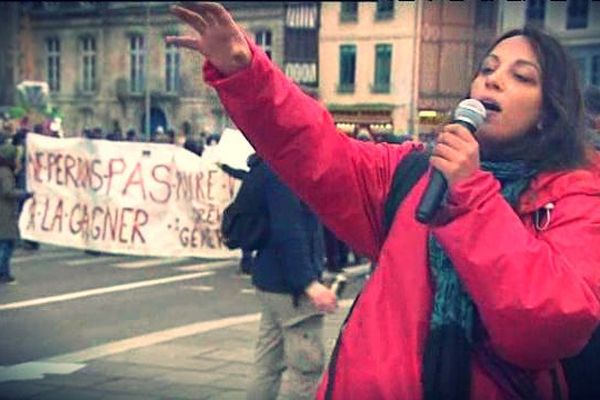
(214, 13)
(193, 19)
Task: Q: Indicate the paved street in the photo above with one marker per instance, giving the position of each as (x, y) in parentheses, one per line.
(79, 326)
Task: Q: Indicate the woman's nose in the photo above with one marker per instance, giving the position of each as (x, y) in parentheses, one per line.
(494, 81)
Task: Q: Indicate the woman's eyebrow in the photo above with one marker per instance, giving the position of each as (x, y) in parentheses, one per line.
(530, 64)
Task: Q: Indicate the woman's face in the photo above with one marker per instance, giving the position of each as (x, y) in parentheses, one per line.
(509, 84)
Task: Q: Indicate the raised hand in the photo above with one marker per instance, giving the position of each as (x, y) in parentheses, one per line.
(217, 37)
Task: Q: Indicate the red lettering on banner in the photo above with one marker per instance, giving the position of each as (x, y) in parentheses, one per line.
(111, 223)
(136, 173)
(31, 214)
(50, 163)
(113, 172)
(74, 230)
(184, 183)
(123, 225)
(59, 170)
(165, 183)
(58, 216)
(97, 175)
(199, 195)
(211, 184)
(46, 206)
(200, 238)
(138, 223)
(69, 165)
(96, 231)
(36, 166)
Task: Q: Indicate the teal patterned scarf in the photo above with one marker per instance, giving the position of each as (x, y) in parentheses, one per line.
(454, 321)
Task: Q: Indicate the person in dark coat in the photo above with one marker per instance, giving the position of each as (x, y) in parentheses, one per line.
(287, 274)
(9, 203)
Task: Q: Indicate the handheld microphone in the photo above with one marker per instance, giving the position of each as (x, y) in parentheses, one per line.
(469, 113)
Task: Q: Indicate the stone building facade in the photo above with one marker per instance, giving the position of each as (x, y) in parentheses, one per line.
(94, 56)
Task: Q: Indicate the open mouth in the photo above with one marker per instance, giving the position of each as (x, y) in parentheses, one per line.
(491, 105)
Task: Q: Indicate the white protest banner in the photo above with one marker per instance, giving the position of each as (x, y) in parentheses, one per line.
(124, 197)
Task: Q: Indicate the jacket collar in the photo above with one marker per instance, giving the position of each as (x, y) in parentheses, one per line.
(551, 186)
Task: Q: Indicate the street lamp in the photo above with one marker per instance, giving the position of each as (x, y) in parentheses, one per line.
(147, 73)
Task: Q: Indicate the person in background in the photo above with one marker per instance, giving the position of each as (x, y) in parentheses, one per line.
(170, 136)
(131, 136)
(213, 139)
(10, 196)
(287, 277)
(20, 143)
(486, 299)
(253, 161)
(196, 146)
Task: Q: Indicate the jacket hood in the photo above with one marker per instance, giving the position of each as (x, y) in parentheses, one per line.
(551, 186)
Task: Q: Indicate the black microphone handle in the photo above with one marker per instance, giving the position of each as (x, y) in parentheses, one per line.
(432, 197)
(436, 188)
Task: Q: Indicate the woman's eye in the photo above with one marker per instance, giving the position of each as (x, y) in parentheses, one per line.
(486, 70)
(523, 78)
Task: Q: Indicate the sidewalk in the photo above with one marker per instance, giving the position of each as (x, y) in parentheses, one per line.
(212, 364)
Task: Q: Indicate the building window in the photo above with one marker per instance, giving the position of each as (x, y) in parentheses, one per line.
(485, 11)
(347, 68)
(137, 52)
(536, 12)
(577, 14)
(172, 68)
(383, 68)
(53, 50)
(349, 11)
(88, 64)
(263, 40)
(385, 9)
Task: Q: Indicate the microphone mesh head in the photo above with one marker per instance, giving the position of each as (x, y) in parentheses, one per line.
(470, 111)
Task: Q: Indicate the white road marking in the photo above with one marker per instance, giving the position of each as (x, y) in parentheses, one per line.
(150, 339)
(41, 256)
(70, 362)
(36, 370)
(146, 263)
(90, 260)
(206, 266)
(104, 290)
(201, 288)
(248, 291)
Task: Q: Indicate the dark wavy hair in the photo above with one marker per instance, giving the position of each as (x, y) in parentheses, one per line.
(561, 142)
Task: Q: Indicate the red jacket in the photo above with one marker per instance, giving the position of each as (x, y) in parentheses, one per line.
(537, 289)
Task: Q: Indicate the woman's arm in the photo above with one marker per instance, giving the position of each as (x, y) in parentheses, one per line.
(344, 181)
